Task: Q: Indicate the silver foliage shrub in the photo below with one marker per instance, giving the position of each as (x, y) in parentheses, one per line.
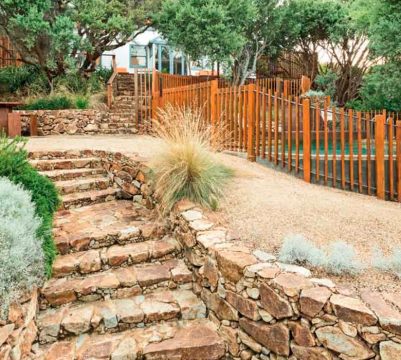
(21, 255)
(339, 258)
(391, 263)
(342, 259)
(297, 249)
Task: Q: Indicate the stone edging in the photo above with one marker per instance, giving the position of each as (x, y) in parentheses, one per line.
(268, 310)
(18, 333)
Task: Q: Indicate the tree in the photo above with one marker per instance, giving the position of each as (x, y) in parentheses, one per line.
(381, 87)
(59, 35)
(266, 33)
(235, 32)
(206, 28)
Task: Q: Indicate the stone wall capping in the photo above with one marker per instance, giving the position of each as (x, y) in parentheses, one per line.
(270, 310)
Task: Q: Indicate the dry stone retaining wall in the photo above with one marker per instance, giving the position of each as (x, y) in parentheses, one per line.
(18, 333)
(76, 122)
(268, 310)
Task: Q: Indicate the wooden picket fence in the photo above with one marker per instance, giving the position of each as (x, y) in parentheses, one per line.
(344, 149)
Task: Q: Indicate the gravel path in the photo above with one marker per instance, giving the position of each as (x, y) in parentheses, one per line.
(263, 205)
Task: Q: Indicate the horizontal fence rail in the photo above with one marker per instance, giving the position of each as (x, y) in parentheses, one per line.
(345, 149)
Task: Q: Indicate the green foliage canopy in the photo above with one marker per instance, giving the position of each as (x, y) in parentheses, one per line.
(206, 27)
(59, 35)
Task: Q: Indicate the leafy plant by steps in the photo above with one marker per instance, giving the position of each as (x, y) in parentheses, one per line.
(21, 256)
(186, 166)
(14, 165)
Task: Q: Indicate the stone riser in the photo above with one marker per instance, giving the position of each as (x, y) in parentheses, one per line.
(102, 241)
(119, 314)
(75, 186)
(115, 283)
(187, 340)
(92, 261)
(63, 175)
(77, 200)
(65, 164)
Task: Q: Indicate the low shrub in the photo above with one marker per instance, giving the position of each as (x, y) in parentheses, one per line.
(339, 258)
(186, 166)
(297, 249)
(14, 165)
(342, 258)
(15, 78)
(21, 255)
(391, 263)
(58, 102)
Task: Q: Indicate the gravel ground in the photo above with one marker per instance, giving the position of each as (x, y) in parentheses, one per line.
(264, 205)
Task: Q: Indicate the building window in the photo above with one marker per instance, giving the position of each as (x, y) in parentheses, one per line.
(138, 56)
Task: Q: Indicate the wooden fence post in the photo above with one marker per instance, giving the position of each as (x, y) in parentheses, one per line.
(306, 139)
(398, 156)
(214, 87)
(305, 84)
(155, 93)
(285, 89)
(251, 122)
(14, 124)
(33, 125)
(379, 144)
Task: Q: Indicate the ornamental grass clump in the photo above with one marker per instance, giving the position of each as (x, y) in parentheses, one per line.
(21, 255)
(186, 166)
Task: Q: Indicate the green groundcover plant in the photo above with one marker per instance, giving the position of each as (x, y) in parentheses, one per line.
(14, 165)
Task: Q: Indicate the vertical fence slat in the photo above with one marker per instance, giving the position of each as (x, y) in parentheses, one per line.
(251, 122)
(342, 135)
(398, 157)
(317, 132)
(289, 133)
(334, 145)
(306, 122)
(368, 156)
(390, 127)
(326, 143)
(276, 111)
(269, 124)
(359, 129)
(351, 148)
(282, 147)
(297, 104)
(379, 146)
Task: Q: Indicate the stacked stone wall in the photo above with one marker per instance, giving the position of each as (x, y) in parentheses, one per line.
(77, 122)
(19, 331)
(268, 310)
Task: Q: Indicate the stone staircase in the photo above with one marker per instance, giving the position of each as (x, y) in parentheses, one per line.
(120, 288)
(126, 108)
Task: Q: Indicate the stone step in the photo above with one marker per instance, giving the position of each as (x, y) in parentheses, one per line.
(118, 314)
(116, 283)
(89, 197)
(80, 185)
(69, 174)
(85, 262)
(105, 224)
(59, 164)
(180, 340)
